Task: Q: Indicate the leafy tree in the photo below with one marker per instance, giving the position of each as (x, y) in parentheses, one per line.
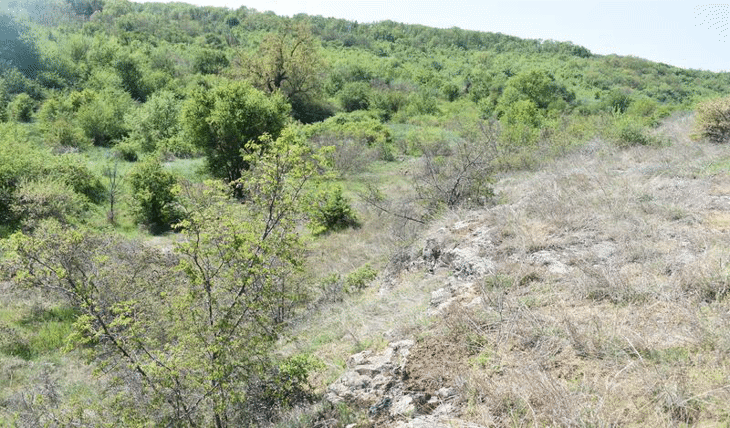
(153, 195)
(209, 61)
(355, 96)
(130, 74)
(101, 114)
(225, 122)
(190, 336)
(154, 122)
(713, 119)
(289, 62)
(20, 108)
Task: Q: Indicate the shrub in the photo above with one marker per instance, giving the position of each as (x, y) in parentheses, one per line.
(20, 108)
(41, 199)
(101, 114)
(331, 211)
(462, 178)
(226, 122)
(358, 138)
(355, 96)
(154, 195)
(359, 278)
(155, 121)
(713, 120)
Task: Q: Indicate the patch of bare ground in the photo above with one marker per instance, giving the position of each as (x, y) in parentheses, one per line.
(593, 294)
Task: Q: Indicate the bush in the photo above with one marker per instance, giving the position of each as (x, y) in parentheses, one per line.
(226, 122)
(41, 199)
(462, 178)
(155, 121)
(359, 278)
(713, 120)
(20, 108)
(331, 211)
(101, 114)
(631, 132)
(153, 195)
(355, 96)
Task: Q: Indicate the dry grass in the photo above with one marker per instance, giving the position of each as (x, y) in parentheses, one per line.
(608, 303)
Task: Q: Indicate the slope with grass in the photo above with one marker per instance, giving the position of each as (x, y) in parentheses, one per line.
(592, 293)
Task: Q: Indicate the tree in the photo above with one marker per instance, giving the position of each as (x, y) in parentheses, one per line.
(189, 336)
(289, 62)
(153, 194)
(713, 119)
(227, 121)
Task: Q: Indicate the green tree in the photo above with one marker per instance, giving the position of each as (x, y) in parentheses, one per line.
(713, 119)
(225, 122)
(20, 108)
(155, 122)
(289, 62)
(153, 194)
(197, 330)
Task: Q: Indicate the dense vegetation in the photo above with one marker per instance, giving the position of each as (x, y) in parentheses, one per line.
(226, 131)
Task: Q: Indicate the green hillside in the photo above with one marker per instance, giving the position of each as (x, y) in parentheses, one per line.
(204, 212)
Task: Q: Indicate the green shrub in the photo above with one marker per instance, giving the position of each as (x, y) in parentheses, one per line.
(359, 278)
(41, 199)
(226, 122)
(713, 120)
(155, 121)
(101, 114)
(358, 137)
(20, 108)
(355, 96)
(71, 170)
(331, 211)
(153, 194)
(631, 132)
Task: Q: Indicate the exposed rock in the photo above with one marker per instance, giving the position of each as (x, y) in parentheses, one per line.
(370, 377)
(377, 380)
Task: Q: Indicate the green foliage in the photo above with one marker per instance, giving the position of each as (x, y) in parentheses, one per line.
(154, 195)
(101, 114)
(289, 383)
(131, 77)
(360, 278)
(461, 178)
(195, 330)
(209, 61)
(617, 101)
(358, 138)
(35, 184)
(355, 96)
(541, 88)
(522, 121)
(155, 122)
(331, 211)
(288, 61)
(41, 199)
(225, 122)
(21, 107)
(713, 119)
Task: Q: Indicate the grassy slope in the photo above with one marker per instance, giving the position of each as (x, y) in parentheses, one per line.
(605, 304)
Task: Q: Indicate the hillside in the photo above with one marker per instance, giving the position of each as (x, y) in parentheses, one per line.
(591, 294)
(214, 217)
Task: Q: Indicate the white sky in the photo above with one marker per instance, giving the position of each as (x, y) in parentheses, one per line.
(689, 33)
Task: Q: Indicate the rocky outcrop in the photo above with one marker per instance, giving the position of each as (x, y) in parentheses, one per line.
(378, 381)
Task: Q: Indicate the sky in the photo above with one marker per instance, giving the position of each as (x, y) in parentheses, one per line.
(688, 34)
